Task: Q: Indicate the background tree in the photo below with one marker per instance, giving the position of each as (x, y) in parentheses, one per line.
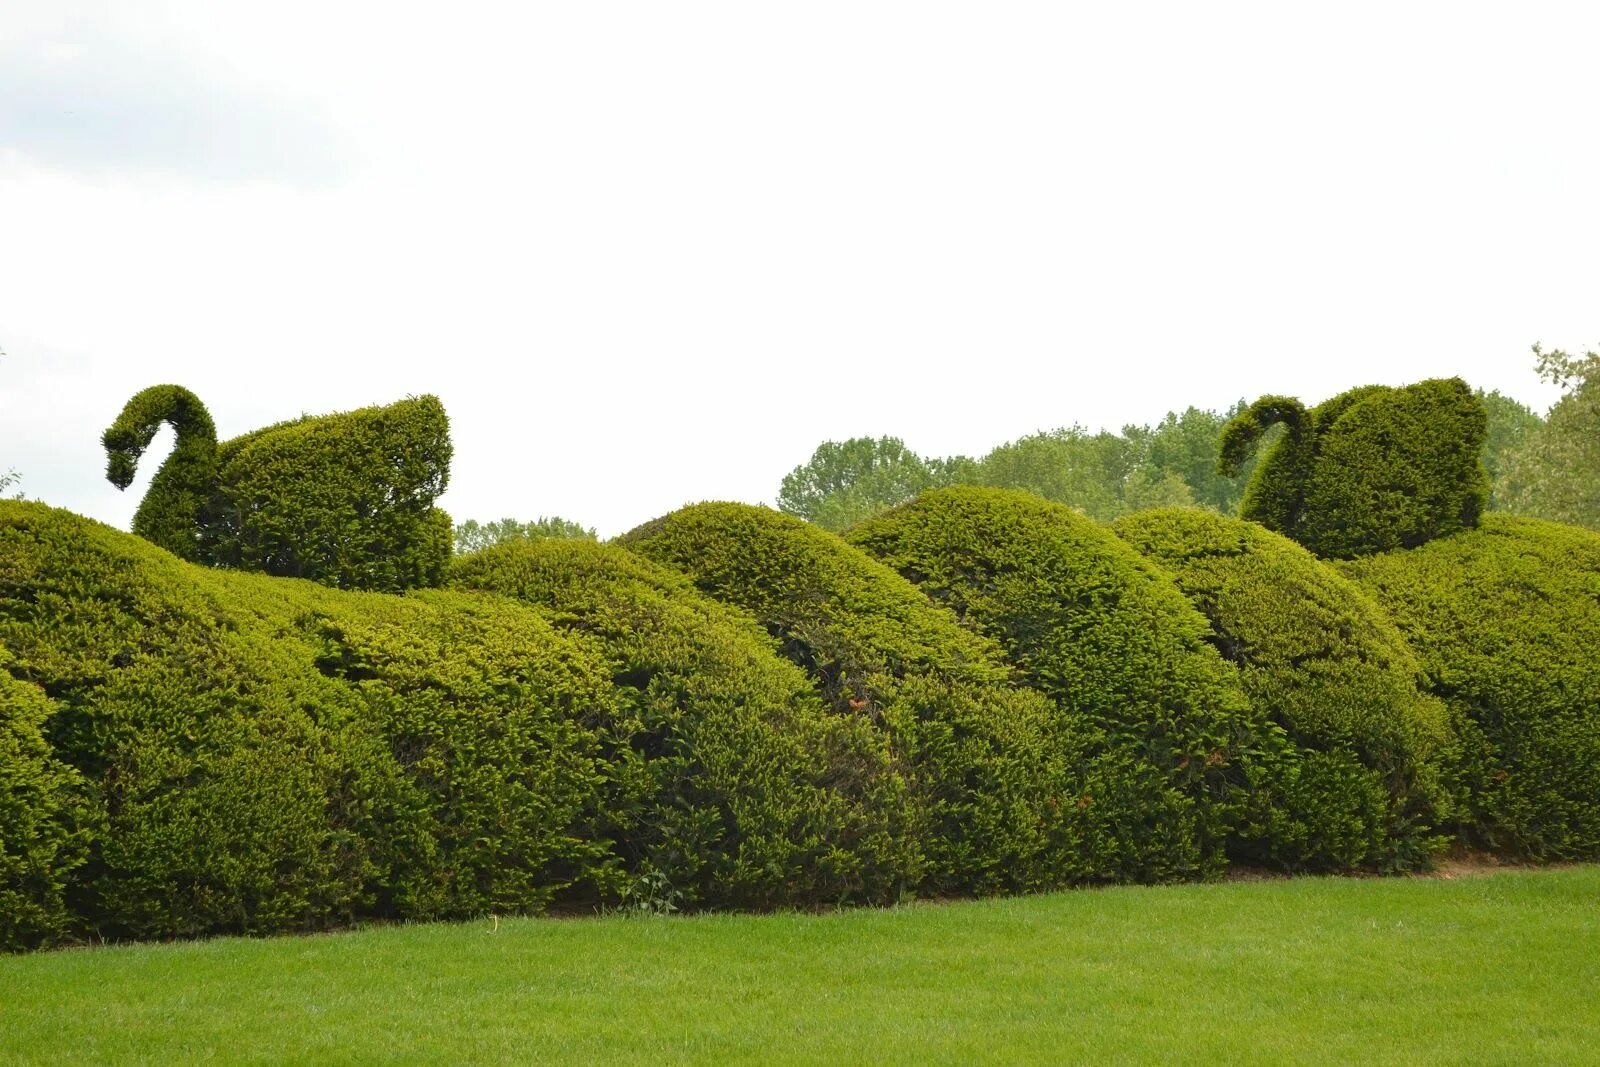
(1087, 471)
(1102, 474)
(1511, 422)
(474, 536)
(1186, 444)
(1554, 471)
(846, 481)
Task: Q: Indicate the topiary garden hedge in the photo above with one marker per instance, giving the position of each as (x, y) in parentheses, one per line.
(1364, 786)
(993, 767)
(1112, 642)
(272, 755)
(730, 783)
(976, 692)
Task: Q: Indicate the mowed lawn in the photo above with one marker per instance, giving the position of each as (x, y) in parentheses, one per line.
(1498, 967)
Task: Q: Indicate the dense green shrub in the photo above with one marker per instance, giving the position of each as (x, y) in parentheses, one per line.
(1365, 788)
(274, 755)
(731, 784)
(1506, 620)
(343, 499)
(995, 767)
(45, 821)
(1107, 636)
(1370, 470)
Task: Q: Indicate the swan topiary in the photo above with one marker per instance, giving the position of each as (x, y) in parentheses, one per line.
(1373, 469)
(343, 499)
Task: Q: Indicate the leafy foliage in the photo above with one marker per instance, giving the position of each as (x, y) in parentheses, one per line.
(992, 766)
(473, 536)
(344, 499)
(1185, 445)
(1554, 472)
(846, 481)
(1101, 474)
(1506, 620)
(1510, 425)
(1365, 787)
(730, 782)
(1112, 642)
(1372, 469)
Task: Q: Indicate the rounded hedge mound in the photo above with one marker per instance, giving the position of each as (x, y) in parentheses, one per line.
(270, 755)
(992, 765)
(1506, 620)
(1370, 470)
(733, 784)
(1109, 638)
(1364, 788)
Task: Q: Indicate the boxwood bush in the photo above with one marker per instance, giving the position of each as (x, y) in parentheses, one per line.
(274, 755)
(730, 783)
(1372, 469)
(1506, 620)
(343, 499)
(1366, 786)
(1110, 639)
(993, 766)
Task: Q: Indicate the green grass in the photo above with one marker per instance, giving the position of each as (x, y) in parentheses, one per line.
(1501, 967)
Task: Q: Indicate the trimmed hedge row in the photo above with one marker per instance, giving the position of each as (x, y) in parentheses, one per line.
(730, 783)
(268, 755)
(1365, 787)
(1109, 638)
(343, 499)
(1506, 620)
(739, 709)
(1370, 470)
(995, 767)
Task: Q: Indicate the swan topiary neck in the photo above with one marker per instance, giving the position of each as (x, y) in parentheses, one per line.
(174, 511)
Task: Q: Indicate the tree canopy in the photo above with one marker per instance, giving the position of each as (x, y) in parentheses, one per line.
(1100, 473)
(474, 536)
(1553, 471)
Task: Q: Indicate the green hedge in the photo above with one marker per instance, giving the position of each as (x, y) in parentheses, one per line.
(343, 499)
(1366, 787)
(1110, 639)
(992, 765)
(1506, 620)
(731, 783)
(1372, 469)
(274, 755)
(46, 821)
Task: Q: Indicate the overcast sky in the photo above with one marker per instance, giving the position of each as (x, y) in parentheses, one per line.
(649, 253)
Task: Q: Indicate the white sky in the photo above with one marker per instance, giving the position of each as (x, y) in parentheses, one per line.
(650, 253)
